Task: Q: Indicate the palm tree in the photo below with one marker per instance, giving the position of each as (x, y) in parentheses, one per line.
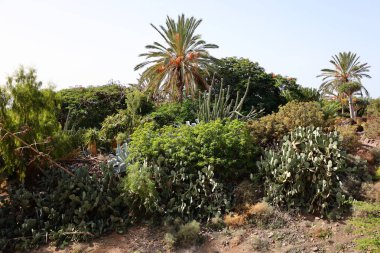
(179, 65)
(348, 69)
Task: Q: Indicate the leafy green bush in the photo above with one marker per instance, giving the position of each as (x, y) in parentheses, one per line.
(88, 107)
(306, 171)
(228, 147)
(174, 113)
(273, 127)
(62, 208)
(126, 120)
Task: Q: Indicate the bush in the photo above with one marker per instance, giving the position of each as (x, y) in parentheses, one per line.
(188, 233)
(157, 190)
(306, 171)
(351, 141)
(372, 128)
(228, 147)
(62, 208)
(88, 107)
(174, 113)
(273, 127)
(125, 121)
(373, 110)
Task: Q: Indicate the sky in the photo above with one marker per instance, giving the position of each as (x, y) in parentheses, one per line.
(88, 42)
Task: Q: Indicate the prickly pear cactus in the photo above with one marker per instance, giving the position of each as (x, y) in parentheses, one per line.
(305, 171)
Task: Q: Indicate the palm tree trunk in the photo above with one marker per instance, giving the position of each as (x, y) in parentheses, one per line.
(351, 106)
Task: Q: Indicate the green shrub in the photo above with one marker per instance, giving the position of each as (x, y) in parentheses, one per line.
(88, 107)
(228, 147)
(142, 189)
(126, 120)
(272, 128)
(62, 208)
(306, 171)
(188, 233)
(174, 113)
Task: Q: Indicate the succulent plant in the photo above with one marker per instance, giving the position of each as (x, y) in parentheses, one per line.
(119, 161)
(222, 106)
(306, 171)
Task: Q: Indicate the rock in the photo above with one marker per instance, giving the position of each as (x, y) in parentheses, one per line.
(317, 218)
(270, 235)
(314, 249)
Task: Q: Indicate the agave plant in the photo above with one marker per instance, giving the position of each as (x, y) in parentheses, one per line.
(118, 162)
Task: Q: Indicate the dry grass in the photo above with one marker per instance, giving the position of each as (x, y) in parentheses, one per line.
(321, 232)
(259, 209)
(234, 220)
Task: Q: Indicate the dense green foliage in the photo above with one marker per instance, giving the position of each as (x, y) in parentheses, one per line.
(126, 120)
(306, 171)
(262, 93)
(88, 107)
(226, 146)
(30, 113)
(373, 110)
(62, 208)
(273, 127)
(174, 113)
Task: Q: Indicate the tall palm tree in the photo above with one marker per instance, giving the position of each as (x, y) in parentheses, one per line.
(348, 69)
(179, 65)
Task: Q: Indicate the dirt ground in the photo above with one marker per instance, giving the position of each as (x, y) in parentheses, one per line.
(301, 234)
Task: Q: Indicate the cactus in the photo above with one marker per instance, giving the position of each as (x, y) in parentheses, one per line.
(306, 171)
(222, 106)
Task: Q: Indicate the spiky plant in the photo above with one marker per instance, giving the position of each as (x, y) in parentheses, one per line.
(222, 106)
(177, 67)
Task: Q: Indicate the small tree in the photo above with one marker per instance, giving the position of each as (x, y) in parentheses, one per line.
(30, 113)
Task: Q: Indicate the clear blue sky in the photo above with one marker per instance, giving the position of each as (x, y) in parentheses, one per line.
(77, 42)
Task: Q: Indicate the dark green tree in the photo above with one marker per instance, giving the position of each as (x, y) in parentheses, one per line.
(263, 92)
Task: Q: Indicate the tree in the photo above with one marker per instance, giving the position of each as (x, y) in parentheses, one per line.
(348, 69)
(179, 65)
(263, 92)
(29, 113)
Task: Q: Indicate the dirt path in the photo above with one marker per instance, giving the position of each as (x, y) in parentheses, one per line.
(300, 235)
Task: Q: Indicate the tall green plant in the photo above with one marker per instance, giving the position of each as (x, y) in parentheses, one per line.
(28, 111)
(347, 69)
(222, 106)
(177, 67)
